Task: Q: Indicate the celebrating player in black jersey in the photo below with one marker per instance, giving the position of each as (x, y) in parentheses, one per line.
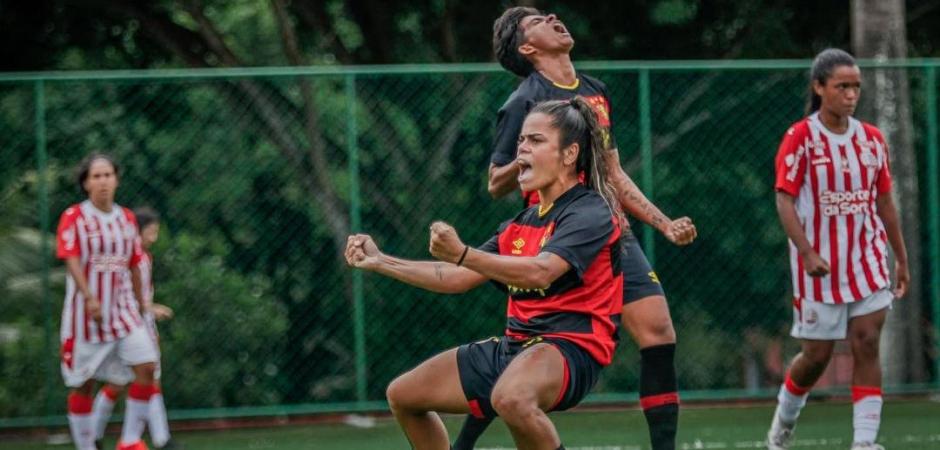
(559, 263)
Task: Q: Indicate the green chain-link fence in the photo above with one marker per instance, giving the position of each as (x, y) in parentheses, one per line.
(261, 174)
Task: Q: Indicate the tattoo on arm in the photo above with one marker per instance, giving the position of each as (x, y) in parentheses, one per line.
(656, 217)
(439, 270)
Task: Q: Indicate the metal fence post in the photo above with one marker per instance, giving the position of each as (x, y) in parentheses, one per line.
(646, 154)
(43, 176)
(933, 208)
(355, 221)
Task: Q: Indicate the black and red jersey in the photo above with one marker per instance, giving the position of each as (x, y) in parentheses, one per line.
(536, 89)
(582, 305)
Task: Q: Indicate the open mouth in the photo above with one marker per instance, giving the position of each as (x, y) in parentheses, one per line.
(560, 28)
(525, 170)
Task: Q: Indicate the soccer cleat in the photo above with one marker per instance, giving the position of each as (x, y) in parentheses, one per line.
(867, 446)
(780, 435)
(139, 445)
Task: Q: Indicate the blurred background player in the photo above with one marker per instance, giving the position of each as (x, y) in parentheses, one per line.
(834, 200)
(537, 47)
(149, 222)
(102, 332)
(558, 262)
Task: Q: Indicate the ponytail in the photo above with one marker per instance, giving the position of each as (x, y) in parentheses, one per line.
(576, 122)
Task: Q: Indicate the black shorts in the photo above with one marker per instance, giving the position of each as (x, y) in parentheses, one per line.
(481, 363)
(639, 279)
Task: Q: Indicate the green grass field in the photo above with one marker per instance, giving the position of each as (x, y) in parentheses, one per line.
(907, 425)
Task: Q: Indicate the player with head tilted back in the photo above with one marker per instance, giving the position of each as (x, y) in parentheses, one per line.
(834, 201)
(557, 260)
(537, 47)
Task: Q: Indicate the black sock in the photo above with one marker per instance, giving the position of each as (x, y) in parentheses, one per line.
(659, 395)
(472, 428)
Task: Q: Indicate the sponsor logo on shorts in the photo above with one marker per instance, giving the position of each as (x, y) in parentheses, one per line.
(654, 278)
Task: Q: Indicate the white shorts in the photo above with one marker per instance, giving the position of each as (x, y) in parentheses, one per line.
(107, 361)
(830, 322)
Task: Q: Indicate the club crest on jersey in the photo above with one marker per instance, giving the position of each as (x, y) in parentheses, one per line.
(812, 318)
(518, 244)
(867, 157)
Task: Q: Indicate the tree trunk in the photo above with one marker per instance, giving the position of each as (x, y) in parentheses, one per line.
(879, 32)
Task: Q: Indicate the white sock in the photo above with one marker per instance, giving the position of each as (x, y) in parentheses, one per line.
(104, 405)
(867, 418)
(159, 428)
(81, 421)
(82, 427)
(136, 413)
(789, 405)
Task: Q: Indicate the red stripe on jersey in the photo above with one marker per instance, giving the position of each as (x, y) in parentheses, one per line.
(883, 237)
(800, 275)
(85, 322)
(863, 243)
(833, 232)
(817, 228)
(103, 304)
(850, 226)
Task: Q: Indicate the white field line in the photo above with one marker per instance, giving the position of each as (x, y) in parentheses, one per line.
(706, 445)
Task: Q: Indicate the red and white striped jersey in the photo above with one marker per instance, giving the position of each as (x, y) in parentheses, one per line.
(836, 179)
(107, 245)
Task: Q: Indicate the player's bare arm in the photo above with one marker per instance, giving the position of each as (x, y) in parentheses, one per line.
(889, 216)
(786, 210)
(532, 272)
(502, 179)
(92, 304)
(680, 231)
(437, 276)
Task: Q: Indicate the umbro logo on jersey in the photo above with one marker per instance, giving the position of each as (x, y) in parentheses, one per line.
(518, 244)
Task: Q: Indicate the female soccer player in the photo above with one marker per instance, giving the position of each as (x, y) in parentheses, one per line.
(537, 47)
(556, 260)
(149, 222)
(834, 201)
(102, 332)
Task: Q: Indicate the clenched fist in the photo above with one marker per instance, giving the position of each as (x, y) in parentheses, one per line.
(681, 231)
(361, 251)
(445, 244)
